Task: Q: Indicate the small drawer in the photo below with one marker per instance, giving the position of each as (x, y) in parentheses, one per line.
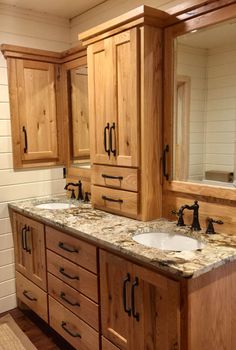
(31, 295)
(77, 251)
(115, 201)
(74, 275)
(115, 177)
(76, 302)
(107, 345)
(71, 327)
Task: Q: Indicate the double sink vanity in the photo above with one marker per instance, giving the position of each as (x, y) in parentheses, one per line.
(83, 271)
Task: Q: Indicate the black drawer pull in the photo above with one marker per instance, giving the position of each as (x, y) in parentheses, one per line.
(23, 237)
(67, 248)
(107, 150)
(62, 271)
(26, 139)
(28, 250)
(126, 281)
(73, 334)
(63, 297)
(25, 293)
(134, 285)
(112, 177)
(105, 198)
(113, 150)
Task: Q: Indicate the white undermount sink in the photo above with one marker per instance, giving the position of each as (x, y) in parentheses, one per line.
(53, 206)
(168, 241)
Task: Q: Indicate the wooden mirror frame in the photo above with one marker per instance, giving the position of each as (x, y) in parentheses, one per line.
(83, 174)
(211, 16)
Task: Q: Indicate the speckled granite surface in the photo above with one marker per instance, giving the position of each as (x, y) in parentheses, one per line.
(115, 232)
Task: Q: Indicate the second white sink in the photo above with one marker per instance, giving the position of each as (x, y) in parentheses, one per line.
(168, 241)
(55, 205)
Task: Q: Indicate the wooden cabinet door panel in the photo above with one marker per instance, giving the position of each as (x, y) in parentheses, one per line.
(126, 114)
(37, 109)
(156, 300)
(21, 256)
(116, 325)
(100, 74)
(30, 252)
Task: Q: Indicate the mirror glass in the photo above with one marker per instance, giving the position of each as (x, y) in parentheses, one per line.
(79, 120)
(205, 106)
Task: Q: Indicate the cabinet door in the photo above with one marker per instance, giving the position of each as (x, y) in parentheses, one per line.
(36, 85)
(156, 311)
(113, 99)
(99, 76)
(21, 255)
(126, 91)
(30, 254)
(116, 323)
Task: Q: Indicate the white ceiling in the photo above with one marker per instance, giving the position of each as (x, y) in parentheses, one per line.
(62, 8)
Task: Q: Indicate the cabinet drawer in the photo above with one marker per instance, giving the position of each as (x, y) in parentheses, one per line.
(82, 253)
(76, 302)
(115, 201)
(115, 177)
(31, 295)
(107, 345)
(72, 328)
(77, 277)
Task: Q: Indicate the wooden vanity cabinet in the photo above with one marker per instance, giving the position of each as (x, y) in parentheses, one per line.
(139, 308)
(125, 94)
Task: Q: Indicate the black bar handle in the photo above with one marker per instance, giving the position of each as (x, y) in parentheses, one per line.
(113, 127)
(67, 248)
(126, 281)
(62, 271)
(107, 150)
(28, 250)
(23, 237)
(26, 139)
(105, 198)
(25, 293)
(134, 285)
(63, 297)
(166, 150)
(112, 177)
(73, 334)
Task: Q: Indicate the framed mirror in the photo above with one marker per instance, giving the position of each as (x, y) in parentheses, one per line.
(77, 79)
(200, 103)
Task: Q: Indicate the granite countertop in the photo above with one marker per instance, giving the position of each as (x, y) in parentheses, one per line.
(115, 232)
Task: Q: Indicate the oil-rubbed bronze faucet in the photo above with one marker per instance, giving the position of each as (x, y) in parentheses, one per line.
(80, 193)
(180, 213)
(210, 227)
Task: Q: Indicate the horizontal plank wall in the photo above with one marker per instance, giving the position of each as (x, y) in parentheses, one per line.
(25, 28)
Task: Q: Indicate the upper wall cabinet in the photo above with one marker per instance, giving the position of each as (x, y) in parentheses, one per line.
(113, 82)
(36, 120)
(125, 111)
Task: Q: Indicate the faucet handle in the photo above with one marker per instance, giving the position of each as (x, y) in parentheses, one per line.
(72, 193)
(210, 227)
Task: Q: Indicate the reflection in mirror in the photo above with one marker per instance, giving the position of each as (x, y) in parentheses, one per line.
(78, 82)
(205, 106)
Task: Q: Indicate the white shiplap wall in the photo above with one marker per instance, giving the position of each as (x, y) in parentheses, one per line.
(192, 62)
(221, 110)
(25, 28)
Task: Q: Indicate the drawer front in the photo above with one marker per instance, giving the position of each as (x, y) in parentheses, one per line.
(115, 177)
(79, 252)
(71, 327)
(76, 302)
(31, 295)
(115, 201)
(107, 345)
(74, 275)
